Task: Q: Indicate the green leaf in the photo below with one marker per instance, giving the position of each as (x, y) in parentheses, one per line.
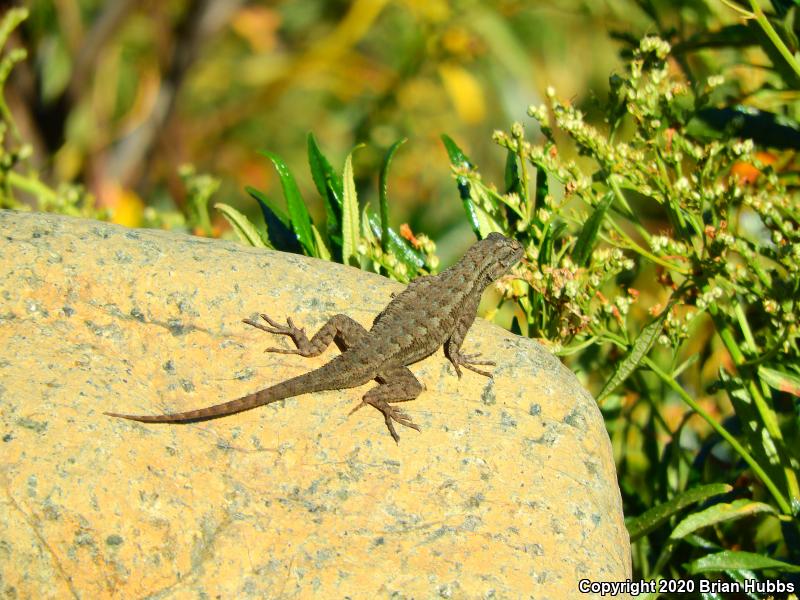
(740, 577)
(685, 364)
(699, 541)
(326, 180)
(350, 221)
(322, 249)
(475, 197)
(459, 161)
(512, 178)
(763, 127)
(551, 236)
(278, 228)
(56, 69)
(298, 213)
(641, 346)
(514, 185)
(243, 227)
(264, 201)
(780, 380)
(660, 514)
(542, 188)
(457, 157)
(586, 240)
(736, 560)
(719, 513)
(383, 192)
(330, 187)
(398, 246)
(11, 20)
(200, 188)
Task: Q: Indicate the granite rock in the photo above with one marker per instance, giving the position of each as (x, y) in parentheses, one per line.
(509, 490)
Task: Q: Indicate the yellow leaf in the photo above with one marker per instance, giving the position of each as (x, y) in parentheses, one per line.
(126, 207)
(432, 11)
(259, 26)
(465, 92)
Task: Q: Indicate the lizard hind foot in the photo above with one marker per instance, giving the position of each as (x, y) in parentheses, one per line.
(468, 362)
(390, 414)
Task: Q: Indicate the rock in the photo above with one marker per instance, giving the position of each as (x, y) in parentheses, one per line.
(509, 490)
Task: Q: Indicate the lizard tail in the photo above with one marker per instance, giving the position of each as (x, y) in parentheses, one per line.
(268, 395)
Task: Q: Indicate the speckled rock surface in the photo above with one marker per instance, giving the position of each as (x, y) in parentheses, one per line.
(509, 491)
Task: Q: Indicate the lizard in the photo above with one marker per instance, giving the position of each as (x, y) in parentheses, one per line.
(433, 311)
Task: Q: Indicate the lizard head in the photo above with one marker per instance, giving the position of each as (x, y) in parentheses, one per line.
(495, 255)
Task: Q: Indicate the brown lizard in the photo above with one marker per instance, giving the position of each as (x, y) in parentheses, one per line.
(433, 311)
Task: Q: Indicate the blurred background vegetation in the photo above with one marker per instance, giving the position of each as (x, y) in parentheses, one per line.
(118, 94)
(663, 251)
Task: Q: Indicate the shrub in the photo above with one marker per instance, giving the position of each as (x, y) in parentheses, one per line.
(699, 238)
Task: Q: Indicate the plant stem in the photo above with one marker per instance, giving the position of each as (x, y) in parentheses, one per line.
(633, 245)
(776, 40)
(31, 185)
(740, 450)
(766, 414)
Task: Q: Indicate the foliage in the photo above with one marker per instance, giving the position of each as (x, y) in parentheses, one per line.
(727, 264)
(118, 95)
(355, 236)
(18, 178)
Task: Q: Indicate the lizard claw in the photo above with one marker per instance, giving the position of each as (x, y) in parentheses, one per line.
(403, 419)
(276, 328)
(283, 350)
(468, 358)
(479, 371)
(389, 414)
(362, 404)
(468, 362)
(392, 414)
(291, 329)
(297, 334)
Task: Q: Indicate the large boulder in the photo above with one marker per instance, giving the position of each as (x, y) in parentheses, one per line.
(508, 491)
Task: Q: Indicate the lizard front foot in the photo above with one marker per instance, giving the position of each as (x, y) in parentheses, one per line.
(297, 334)
(468, 362)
